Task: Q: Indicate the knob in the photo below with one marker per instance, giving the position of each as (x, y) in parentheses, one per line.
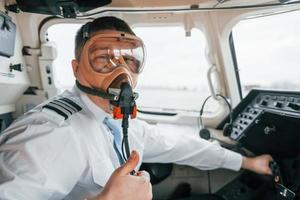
(205, 134)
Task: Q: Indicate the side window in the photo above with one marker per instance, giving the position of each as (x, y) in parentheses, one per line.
(267, 52)
(174, 76)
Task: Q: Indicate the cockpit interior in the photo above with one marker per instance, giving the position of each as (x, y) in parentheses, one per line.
(226, 70)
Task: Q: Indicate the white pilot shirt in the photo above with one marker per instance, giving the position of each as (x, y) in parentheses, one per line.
(45, 156)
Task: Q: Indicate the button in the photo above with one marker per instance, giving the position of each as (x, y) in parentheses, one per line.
(48, 71)
(278, 104)
(293, 106)
(264, 103)
(253, 112)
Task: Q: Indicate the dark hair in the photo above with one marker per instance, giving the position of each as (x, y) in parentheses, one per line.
(99, 24)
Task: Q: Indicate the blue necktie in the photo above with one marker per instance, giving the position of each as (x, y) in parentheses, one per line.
(116, 130)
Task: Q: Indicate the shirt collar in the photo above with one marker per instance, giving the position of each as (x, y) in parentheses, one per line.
(98, 112)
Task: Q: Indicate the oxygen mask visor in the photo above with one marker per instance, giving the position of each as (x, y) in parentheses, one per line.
(106, 54)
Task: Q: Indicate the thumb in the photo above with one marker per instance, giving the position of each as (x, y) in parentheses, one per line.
(130, 164)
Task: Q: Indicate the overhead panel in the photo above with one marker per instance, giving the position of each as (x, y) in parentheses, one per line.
(65, 8)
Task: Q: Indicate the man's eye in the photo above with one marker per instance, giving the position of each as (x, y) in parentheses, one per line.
(129, 59)
(100, 60)
(132, 63)
(102, 57)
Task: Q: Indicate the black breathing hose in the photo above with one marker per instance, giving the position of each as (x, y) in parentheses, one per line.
(126, 103)
(125, 136)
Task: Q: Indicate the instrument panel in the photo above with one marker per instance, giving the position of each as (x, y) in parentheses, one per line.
(267, 122)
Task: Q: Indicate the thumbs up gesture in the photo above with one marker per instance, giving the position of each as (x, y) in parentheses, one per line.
(122, 185)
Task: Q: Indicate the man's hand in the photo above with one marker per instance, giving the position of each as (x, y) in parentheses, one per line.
(259, 164)
(122, 185)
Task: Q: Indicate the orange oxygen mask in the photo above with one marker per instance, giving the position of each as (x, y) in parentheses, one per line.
(107, 61)
(108, 55)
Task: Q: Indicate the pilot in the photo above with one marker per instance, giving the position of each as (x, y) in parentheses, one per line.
(69, 146)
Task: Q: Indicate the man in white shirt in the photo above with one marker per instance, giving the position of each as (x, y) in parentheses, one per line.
(65, 149)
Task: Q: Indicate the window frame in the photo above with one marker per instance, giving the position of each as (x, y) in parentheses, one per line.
(235, 64)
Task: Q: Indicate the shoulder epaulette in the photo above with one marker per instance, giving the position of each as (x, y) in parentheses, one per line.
(63, 106)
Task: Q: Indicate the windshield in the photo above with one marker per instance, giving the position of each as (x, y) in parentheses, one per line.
(267, 51)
